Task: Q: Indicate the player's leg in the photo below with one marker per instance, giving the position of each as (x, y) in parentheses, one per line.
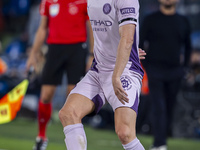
(87, 97)
(51, 77)
(125, 121)
(171, 91)
(159, 112)
(125, 114)
(44, 115)
(76, 107)
(45, 108)
(70, 87)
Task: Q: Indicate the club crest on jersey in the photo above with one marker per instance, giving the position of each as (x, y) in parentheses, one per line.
(127, 10)
(126, 82)
(54, 10)
(73, 9)
(107, 8)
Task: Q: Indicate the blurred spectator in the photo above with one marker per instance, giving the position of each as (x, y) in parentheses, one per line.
(1, 17)
(14, 59)
(15, 14)
(193, 76)
(196, 39)
(3, 67)
(33, 21)
(16, 7)
(163, 35)
(191, 8)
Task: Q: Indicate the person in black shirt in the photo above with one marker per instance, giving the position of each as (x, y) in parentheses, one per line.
(165, 35)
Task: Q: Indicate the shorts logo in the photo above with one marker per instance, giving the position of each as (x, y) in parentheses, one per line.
(106, 8)
(127, 10)
(126, 82)
(54, 10)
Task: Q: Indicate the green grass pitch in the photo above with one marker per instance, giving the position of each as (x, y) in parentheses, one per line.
(20, 135)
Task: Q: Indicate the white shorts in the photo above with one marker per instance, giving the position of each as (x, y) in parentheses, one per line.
(97, 86)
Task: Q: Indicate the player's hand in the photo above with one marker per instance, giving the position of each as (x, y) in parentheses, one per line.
(142, 54)
(119, 91)
(31, 62)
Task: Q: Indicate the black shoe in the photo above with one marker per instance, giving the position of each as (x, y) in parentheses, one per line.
(40, 144)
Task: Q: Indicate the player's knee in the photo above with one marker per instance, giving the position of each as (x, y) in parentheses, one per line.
(46, 98)
(123, 133)
(68, 115)
(45, 101)
(46, 95)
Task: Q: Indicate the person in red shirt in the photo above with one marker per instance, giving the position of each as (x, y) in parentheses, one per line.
(65, 25)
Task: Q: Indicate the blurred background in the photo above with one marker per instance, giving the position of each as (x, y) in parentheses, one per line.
(19, 20)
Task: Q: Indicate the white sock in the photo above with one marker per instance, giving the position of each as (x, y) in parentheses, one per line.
(134, 145)
(75, 138)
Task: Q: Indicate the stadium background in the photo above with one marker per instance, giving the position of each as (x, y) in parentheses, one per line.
(19, 20)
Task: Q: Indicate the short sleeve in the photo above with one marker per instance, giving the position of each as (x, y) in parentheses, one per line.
(127, 11)
(44, 10)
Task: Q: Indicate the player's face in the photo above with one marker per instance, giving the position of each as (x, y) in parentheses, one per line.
(168, 3)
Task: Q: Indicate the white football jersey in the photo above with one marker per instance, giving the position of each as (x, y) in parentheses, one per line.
(106, 16)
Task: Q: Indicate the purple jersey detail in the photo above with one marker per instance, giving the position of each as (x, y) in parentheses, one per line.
(135, 105)
(127, 10)
(106, 8)
(126, 82)
(93, 66)
(98, 103)
(136, 66)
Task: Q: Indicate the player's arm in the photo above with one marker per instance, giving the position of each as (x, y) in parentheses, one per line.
(91, 38)
(38, 42)
(123, 53)
(91, 45)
